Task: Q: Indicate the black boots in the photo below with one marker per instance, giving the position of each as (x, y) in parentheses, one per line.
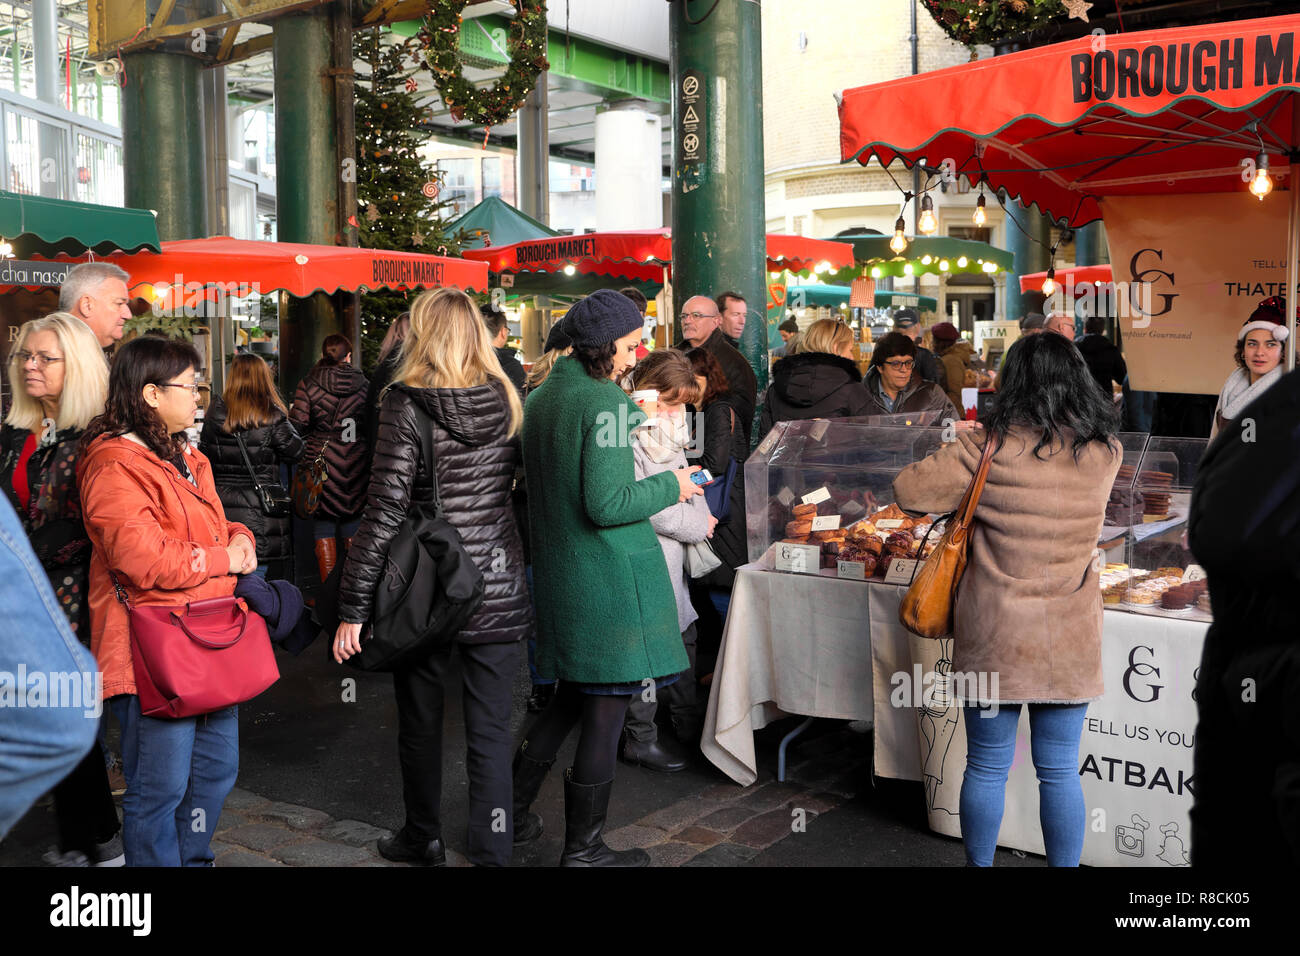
(528, 777)
(584, 822)
(400, 849)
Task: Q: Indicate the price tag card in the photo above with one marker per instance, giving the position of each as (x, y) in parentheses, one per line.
(900, 571)
(818, 429)
(826, 522)
(1194, 572)
(852, 569)
(889, 524)
(816, 497)
(799, 558)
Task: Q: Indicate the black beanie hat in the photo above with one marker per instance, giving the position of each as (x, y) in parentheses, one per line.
(600, 318)
(556, 339)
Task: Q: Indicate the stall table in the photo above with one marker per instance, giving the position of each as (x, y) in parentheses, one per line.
(823, 647)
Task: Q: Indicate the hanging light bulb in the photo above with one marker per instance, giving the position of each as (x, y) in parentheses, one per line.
(876, 272)
(1262, 184)
(908, 269)
(943, 265)
(899, 242)
(569, 269)
(961, 262)
(927, 223)
(980, 218)
(926, 260)
(1049, 284)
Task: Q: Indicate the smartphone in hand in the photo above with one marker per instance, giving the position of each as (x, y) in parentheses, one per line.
(702, 477)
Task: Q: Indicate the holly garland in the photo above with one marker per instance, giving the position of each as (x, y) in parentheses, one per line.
(493, 105)
(991, 21)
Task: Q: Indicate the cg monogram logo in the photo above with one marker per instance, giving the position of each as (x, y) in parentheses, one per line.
(1141, 669)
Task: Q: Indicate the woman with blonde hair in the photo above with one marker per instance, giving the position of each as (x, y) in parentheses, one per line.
(247, 435)
(820, 380)
(58, 379)
(449, 389)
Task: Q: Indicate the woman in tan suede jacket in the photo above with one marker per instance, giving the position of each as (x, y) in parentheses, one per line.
(1029, 611)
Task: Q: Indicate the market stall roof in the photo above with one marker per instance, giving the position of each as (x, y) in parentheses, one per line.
(296, 268)
(1076, 275)
(644, 254)
(47, 227)
(1158, 111)
(835, 296)
(495, 221)
(927, 255)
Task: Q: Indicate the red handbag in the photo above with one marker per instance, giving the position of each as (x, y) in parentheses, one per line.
(199, 657)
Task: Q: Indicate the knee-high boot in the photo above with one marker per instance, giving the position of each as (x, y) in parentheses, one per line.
(528, 777)
(326, 556)
(584, 823)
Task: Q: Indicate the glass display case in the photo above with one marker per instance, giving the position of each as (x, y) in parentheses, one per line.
(1149, 507)
(819, 497)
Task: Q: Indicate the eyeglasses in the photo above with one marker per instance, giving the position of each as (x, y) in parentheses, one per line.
(903, 366)
(697, 315)
(194, 389)
(42, 360)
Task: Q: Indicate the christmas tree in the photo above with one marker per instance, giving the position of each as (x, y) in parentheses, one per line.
(393, 210)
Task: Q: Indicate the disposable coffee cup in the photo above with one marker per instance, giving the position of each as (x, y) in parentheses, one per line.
(646, 399)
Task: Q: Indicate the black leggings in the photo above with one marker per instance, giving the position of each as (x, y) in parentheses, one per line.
(602, 723)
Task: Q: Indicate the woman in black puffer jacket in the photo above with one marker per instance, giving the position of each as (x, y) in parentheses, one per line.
(330, 406)
(252, 410)
(820, 381)
(451, 386)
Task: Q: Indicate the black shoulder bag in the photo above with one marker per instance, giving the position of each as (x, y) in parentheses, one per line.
(429, 589)
(274, 498)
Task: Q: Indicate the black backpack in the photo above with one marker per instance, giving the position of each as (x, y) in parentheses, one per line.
(429, 589)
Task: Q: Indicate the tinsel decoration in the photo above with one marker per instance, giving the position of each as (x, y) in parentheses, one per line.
(974, 22)
(492, 105)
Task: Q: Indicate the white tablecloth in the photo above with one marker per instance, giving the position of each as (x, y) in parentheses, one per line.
(822, 647)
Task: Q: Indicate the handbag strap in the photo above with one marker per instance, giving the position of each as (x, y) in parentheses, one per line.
(966, 510)
(257, 485)
(426, 450)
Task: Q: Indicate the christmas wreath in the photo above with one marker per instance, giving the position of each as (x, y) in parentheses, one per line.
(495, 104)
(991, 21)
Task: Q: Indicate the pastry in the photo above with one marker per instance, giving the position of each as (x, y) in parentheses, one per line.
(795, 540)
(798, 529)
(1141, 595)
(803, 511)
(1175, 599)
(832, 547)
(1169, 573)
(833, 534)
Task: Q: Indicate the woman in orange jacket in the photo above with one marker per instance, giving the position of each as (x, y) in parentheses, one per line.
(156, 524)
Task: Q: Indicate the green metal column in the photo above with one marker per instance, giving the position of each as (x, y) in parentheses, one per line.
(1090, 247)
(309, 176)
(1029, 244)
(162, 154)
(715, 56)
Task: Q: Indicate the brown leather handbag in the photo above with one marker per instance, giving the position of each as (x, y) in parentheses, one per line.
(927, 606)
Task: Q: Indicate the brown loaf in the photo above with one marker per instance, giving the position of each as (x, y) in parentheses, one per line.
(801, 511)
(798, 529)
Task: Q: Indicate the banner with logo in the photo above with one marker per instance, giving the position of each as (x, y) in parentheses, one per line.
(1188, 271)
(1135, 755)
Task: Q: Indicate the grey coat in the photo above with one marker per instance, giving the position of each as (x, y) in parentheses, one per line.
(676, 526)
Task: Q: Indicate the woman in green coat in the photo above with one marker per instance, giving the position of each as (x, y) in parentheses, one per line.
(606, 615)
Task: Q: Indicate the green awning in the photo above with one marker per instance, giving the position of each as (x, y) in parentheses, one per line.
(567, 289)
(835, 296)
(42, 226)
(927, 255)
(502, 223)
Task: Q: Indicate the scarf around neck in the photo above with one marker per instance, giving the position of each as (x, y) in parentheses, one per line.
(1238, 392)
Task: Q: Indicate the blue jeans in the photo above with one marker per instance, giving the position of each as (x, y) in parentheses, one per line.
(325, 528)
(45, 738)
(178, 774)
(1054, 731)
(537, 679)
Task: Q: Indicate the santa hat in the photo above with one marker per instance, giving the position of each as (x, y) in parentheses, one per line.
(1270, 316)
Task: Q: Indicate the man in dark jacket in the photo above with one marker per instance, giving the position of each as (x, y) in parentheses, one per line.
(1104, 360)
(701, 321)
(499, 329)
(927, 364)
(1242, 528)
(894, 385)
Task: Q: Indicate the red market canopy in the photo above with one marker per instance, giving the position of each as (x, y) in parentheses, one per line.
(644, 254)
(1072, 276)
(297, 268)
(1158, 111)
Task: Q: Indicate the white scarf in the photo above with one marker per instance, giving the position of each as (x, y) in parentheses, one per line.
(663, 437)
(1238, 392)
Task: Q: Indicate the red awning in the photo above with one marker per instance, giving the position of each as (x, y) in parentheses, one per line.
(297, 268)
(1070, 276)
(644, 254)
(1158, 111)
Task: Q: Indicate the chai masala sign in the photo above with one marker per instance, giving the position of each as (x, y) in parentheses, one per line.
(1208, 260)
